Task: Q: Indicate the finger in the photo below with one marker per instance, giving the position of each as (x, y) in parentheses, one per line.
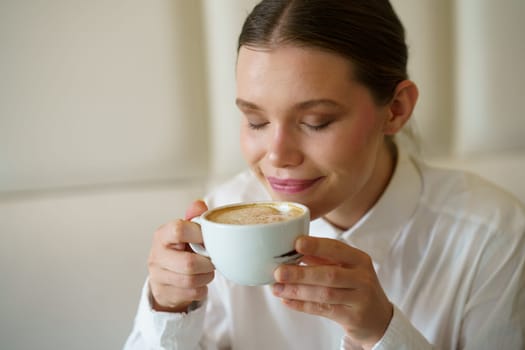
(176, 233)
(320, 275)
(310, 260)
(315, 294)
(182, 262)
(171, 297)
(195, 209)
(315, 308)
(336, 312)
(170, 278)
(331, 249)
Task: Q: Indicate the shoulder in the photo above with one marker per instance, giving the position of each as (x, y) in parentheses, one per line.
(242, 187)
(464, 217)
(467, 197)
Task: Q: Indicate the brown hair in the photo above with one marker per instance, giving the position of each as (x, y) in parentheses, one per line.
(367, 32)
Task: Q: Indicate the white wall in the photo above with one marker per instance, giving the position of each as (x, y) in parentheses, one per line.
(100, 92)
(223, 20)
(429, 30)
(467, 58)
(490, 76)
(72, 263)
(103, 137)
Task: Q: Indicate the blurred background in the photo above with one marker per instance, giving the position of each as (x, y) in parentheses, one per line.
(115, 114)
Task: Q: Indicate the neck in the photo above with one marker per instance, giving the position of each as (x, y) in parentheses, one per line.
(346, 215)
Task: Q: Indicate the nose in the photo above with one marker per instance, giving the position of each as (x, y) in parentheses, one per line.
(284, 149)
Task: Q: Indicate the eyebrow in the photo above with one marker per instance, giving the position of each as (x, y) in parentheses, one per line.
(247, 105)
(300, 106)
(322, 102)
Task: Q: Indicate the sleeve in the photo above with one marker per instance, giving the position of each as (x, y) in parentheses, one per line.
(163, 330)
(400, 335)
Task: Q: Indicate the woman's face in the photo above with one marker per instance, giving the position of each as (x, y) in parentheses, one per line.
(310, 132)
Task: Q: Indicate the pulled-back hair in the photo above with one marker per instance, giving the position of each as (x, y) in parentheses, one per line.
(367, 32)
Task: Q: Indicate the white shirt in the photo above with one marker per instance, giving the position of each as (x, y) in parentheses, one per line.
(449, 251)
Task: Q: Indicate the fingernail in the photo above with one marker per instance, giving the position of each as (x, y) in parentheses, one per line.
(278, 288)
(282, 274)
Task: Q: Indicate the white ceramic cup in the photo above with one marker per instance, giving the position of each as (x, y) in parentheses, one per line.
(248, 254)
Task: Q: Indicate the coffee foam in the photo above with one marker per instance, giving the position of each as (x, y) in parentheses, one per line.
(253, 214)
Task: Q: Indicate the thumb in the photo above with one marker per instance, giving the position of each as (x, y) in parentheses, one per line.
(195, 209)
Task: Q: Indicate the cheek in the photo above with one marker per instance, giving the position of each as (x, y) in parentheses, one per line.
(368, 129)
(250, 147)
(352, 149)
(360, 138)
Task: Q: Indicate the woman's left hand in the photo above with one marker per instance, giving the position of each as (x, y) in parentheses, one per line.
(339, 282)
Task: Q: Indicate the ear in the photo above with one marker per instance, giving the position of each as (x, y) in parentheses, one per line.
(399, 109)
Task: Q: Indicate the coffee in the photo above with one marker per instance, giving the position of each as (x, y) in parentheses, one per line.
(251, 214)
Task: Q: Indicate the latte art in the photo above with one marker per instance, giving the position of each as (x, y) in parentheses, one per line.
(254, 214)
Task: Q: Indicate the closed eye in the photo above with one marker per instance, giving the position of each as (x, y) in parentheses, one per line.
(257, 126)
(317, 127)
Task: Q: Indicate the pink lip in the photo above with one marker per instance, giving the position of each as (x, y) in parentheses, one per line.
(291, 185)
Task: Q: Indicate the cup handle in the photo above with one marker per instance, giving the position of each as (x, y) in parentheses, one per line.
(197, 247)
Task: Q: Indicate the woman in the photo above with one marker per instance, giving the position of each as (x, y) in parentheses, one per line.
(400, 255)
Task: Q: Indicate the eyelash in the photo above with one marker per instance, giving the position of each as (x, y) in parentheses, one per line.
(318, 127)
(311, 127)
(256, 126)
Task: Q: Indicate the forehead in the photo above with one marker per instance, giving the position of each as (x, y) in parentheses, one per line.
(283, 59)
(293, 72)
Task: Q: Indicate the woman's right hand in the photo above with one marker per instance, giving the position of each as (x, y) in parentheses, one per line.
(178, 276)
